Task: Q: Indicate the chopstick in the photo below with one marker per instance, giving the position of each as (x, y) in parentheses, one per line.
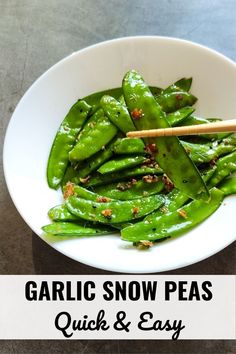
(216, 127)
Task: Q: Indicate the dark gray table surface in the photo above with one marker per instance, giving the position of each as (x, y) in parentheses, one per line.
(33, 36)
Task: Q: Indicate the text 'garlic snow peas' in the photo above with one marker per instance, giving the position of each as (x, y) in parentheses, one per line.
(169, 153)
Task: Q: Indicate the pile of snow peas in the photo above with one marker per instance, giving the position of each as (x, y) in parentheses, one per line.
(148, 189)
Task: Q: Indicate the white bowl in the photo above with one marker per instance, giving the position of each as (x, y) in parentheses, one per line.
(38, 115)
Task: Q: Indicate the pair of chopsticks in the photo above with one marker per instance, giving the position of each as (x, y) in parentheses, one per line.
(216, 127)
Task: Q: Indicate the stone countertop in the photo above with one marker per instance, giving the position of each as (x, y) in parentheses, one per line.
(33, 36)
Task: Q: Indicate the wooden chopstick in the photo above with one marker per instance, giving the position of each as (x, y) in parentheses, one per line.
(216, 127)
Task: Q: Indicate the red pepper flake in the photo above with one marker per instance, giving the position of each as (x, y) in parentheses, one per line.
(135, 211)
(137, 113)
(182, 213)
(168, 184)
(107, 213)
(179, 96)
(103, 199)
(150, 178)
(69, 190)
(85, 180)
(150, 148)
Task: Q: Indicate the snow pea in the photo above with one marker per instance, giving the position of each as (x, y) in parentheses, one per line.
(129, 146)
(97, 132)
(99, 179)
(129, 191)
(121, 163)
(170, 154)
(69, 175)
(156, 91)
(183, 84)
(178, 116)
(117, 113)
(173, 101)
(114, 211)
(174, 223)
(228, 186)
(203, 153)
(64, 141)
(61, 213)
(94, 99)
(95, 161)
(176, 199)
(224, 167)
(84, 193)
(75, 229)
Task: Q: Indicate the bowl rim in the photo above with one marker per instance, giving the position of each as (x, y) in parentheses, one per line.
(61, 62)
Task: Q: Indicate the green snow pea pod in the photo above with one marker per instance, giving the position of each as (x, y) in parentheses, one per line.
(94, 99)
(122, 100)
(177, 117)
(84, 193)
(61, 213)
(97, 132)
(117, 113)
(121, 163)
(129, 190)
(129, 146)
(75, 229)
(114, 211)
(69, 175)
(99, 179)
(176, 199)
(95, 161)
(173, 101)
(64, 141)
(228, 186)
(174, 223)
(154, 90)
(183, 84)
(202, 153)
(170, 154)
(224, 167)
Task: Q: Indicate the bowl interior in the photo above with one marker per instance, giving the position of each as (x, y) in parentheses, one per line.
(40, 112)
